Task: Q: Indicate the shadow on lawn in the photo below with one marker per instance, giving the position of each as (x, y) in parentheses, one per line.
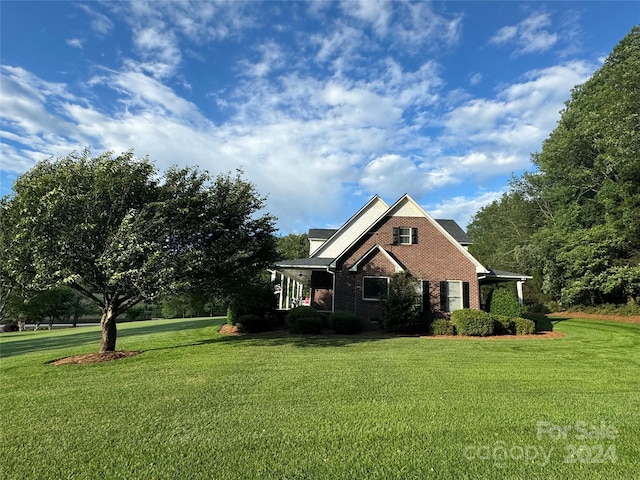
(71, 337)
(282, 337)
(545, 323)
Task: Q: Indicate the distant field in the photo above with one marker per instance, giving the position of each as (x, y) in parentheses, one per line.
(196, 404)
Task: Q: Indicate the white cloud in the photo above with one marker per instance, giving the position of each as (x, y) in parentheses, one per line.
(530, 35)
(462, 209)
(100, 23)
(374, 13)
(74, 42)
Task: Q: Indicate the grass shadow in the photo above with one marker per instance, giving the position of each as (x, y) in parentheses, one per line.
(544, 323)
(76, 337)
(282, 337)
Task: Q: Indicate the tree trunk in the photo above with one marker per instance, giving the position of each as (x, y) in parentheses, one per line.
(108, 324)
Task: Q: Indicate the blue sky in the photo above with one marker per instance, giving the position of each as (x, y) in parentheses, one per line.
(322, 104)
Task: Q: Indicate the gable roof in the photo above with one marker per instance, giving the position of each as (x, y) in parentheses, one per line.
(353, 228)
(407, 206)
(321, 233)
(377, 248)
(455, 231)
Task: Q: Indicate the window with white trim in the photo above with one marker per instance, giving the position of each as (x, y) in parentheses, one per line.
(375, 288)
(405, 236)
(454, 295)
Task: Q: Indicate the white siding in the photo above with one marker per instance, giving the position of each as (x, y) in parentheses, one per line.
(350, 231)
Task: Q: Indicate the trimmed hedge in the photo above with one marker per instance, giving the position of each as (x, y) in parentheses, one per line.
(344, 322)
(504, 325)
(504, 302)
(304, 320)
(442, 326)
(474, 323)
(253, 324)
(524, 326)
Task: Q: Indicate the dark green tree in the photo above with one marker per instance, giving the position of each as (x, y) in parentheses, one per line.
(113, 229)
(293, 246)
(401, 307)
(588, 179)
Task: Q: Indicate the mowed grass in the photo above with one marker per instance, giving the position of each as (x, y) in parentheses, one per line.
(197, 404)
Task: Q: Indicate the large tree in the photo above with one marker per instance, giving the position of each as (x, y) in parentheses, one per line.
(116, 231)
(588, 179)
(576, 219)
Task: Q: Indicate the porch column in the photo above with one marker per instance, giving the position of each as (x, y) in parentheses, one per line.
(519, 289)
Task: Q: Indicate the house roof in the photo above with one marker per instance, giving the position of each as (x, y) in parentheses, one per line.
(304, 263)
(321, 233)
(354, 228)
(378, 248)
(455, 231)
(501, 275)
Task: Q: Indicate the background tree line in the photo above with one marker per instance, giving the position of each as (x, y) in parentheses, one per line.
(574, 221)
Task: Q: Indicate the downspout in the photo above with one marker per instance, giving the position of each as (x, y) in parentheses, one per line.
(333, 290)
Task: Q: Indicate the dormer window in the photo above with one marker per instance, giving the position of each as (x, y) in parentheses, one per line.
(405, 236)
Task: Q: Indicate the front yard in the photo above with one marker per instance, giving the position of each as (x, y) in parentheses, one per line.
(197, 404)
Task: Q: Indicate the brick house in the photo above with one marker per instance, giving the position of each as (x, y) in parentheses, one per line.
(349, 268)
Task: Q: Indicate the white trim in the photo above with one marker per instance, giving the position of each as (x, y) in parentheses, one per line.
(377, 246)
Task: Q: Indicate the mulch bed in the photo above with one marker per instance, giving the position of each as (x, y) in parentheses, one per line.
(88, 358)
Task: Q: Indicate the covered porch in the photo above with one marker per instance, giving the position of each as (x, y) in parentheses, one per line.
(495, 277)
(304, 281)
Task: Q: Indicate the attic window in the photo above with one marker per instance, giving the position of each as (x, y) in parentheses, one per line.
(405, 236)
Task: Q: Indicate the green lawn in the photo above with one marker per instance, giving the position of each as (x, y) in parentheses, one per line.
(196, 404)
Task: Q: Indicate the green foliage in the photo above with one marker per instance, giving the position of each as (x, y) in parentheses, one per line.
(117, 232)
(574, 224)
(505, 302)
(305, 320)
(256, 297)
(504, 325)
(344, 322)
(293, 246)
(253, 324)
(442, 326)
(474, 323)
(524, 326)
(401, 308)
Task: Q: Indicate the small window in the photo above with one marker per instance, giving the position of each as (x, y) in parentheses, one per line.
(375, 288)
(405, 236)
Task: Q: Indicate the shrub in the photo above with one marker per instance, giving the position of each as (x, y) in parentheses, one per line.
(504, 325)
(253, 324)
(304, 320)
(504, 302)
(475, 323)
(442, 326)
(401, 308)
(524, 326)
(344, 322)
(10, 327)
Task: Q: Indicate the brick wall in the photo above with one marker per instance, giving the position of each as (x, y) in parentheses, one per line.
(434, 258)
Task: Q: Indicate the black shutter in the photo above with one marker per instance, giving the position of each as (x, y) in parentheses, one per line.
(443, 296)
(396, 235)
(426, 297)
(414, 235)
(465, 294)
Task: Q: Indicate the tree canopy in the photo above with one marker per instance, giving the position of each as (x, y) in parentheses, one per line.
(581, 207)
(113, 229)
